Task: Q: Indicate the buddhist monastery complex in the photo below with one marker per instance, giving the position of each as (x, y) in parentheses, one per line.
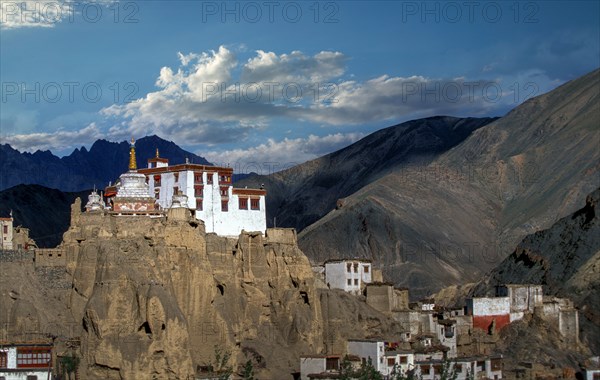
(205, 190)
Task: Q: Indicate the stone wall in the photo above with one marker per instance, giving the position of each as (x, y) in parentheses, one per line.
(50, 257)
(14, 255)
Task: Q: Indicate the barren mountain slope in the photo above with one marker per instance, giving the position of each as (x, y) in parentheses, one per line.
(301, 195)
(565, 259)
(466, 211)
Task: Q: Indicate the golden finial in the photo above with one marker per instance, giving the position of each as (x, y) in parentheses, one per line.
(157, 156)
(132, 160)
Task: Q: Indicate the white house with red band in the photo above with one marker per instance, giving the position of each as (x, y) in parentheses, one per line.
(225, 210)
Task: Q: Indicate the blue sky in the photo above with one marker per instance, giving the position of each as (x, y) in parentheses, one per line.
(241, 82)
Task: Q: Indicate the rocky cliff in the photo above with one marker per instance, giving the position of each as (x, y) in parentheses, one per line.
(151, 298)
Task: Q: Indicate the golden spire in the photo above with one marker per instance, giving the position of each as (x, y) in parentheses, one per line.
(157, 156)
(132, 161)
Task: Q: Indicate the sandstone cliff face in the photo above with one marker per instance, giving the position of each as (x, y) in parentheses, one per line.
(155, 297)
(151, 298)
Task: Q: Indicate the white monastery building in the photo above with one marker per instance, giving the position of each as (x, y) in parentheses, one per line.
(349, 275)
(26, 362)
(206, 190)
(6, 233)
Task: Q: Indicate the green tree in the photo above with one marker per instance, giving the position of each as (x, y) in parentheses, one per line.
(220, 366)
(248, 371)
(398, 374)
(346, 371)
(449, 370)
(69, 364)
(368, 371)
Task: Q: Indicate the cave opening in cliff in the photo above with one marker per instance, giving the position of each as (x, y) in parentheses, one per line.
(221, 289)
(304, 296)
(146, 327)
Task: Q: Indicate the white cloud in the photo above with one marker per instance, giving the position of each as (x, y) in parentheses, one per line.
(58, 140)
(277, 155)
(214, 98)
(204, 100)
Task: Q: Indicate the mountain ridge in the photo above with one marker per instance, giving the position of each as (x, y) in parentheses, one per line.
(449, 221)
(83, 169)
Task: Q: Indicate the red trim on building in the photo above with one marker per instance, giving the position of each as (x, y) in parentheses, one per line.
(249, 191)
(158, 159)
(484, 322)
(184, 167)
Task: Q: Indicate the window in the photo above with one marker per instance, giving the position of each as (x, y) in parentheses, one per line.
(223, 192)
(243, 203)
(157, 193)
(33, 357)
(5, 229)
(209, 178)
(199, 204)
(175, 190)
(224, 206)
(197, 177)
(356, 282)
(332, 364)
(349, 281)
(32, 377)
(391, 362)
(355, 267)
(403, 359)
(349, 268)
(3, 359)
(366, 269)
(176, 177)
(255, 204)
(198, 191)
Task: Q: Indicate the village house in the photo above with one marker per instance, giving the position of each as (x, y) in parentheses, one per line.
(466, 368)
(204, 189)
(489, 313)
(318, 364)
(367, 349)
(386, 298)
(348, 275)
(6, 233)
(25, 361)
(523, 298)
(401, 361)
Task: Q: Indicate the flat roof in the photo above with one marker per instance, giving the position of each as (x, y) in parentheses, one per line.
(344, 260)
(183, 167)
(318, 356)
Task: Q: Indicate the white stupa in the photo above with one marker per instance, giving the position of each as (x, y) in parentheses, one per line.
(133, 193)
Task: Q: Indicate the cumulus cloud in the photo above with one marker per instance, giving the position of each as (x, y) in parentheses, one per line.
(58, 140)
(278, 155)
(212, 97)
